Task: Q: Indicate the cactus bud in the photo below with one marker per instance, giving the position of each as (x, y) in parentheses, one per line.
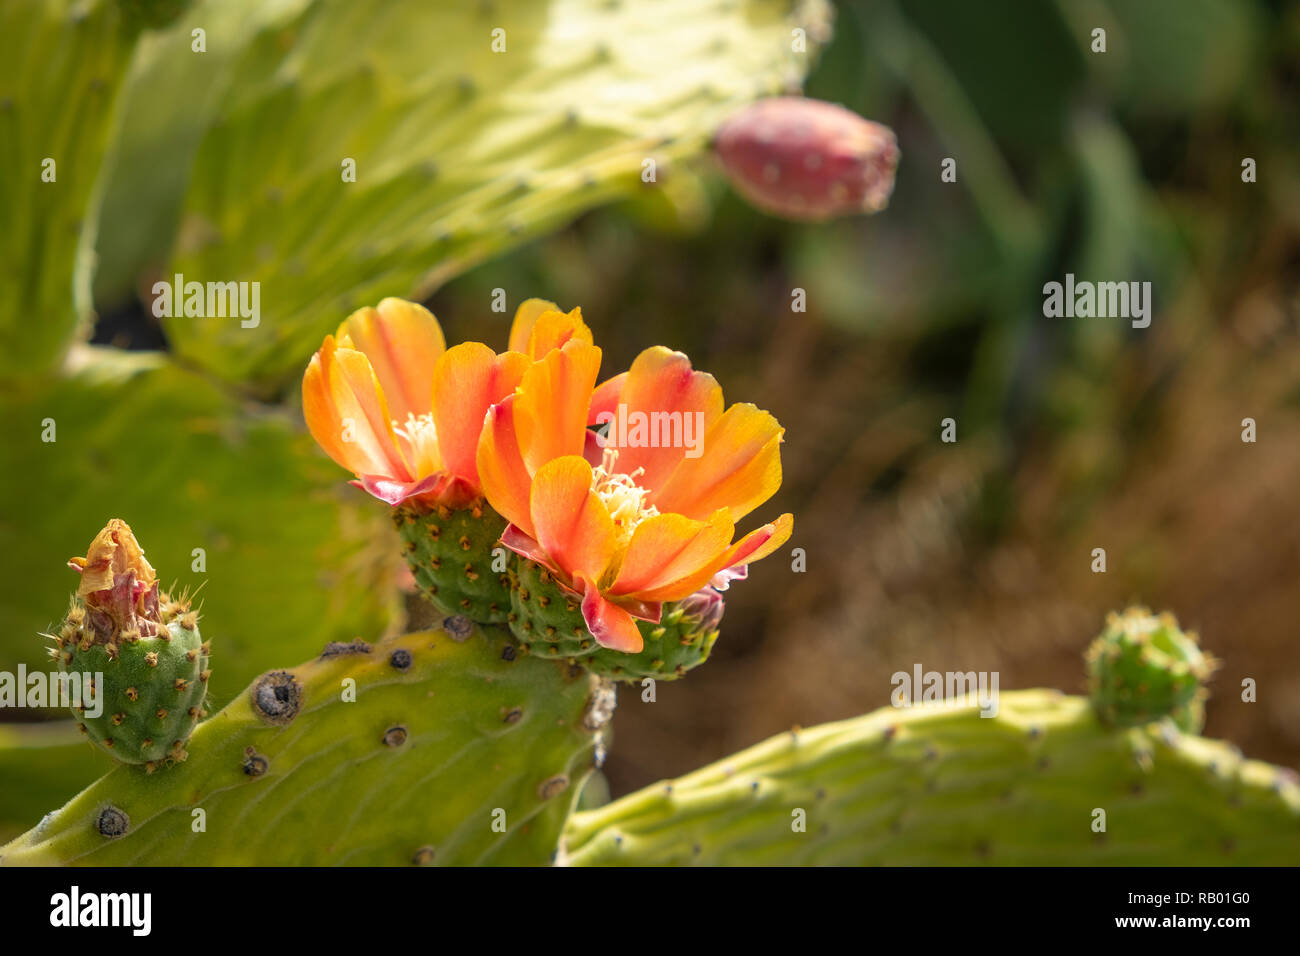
(1142, 668)
(806, 159)
(141, 651)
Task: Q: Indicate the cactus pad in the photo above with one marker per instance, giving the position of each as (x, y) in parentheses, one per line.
(437, 747)
(339, 171)
(548, 622)
(61, 64)
(937, 784)
(1143, 668)
(450, 554)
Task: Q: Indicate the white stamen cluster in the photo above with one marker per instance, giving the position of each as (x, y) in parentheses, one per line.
(421, 438)
(623, 497)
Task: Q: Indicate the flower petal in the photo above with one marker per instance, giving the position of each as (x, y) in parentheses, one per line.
(554, 330)
(346, 413)
(540, 326)
(739, 469)
(467, 380)
(572, 523)
(755, 545)
(759, 543)
(609, 624)
(396, 492)
(505, 481)
(402, 340)
(668, 548)
(550, 410)
(526, 316)
(525, 546)
(662, 415)
(605, 397)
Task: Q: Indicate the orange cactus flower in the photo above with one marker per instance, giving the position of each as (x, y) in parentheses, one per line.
(644, 513)
(387, 400)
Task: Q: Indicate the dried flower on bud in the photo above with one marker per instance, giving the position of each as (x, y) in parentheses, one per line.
(118, 586)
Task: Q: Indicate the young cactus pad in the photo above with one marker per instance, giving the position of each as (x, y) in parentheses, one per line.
(438, 747)
(1041, 783)
(140, 661)
(1143, 668)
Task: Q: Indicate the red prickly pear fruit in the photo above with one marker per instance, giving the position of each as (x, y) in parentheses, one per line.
(807, 159)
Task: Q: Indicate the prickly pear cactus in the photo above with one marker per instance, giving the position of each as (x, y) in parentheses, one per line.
(940, 785)
(548, 622)
(261, 505)
(61, 63)
(430, 160)
(141, 664)
(1143, 668)
(438, 747)
(453, 555)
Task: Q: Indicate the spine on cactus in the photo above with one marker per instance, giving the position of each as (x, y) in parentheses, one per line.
(139, 659)
(597, 521)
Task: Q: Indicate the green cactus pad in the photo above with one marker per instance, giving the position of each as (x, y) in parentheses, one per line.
(450, 553)
(938, 784)
(153, 689)
(548, 622)
(52, 760)
(1143, 668)
(436, 747)
(61, 65)
(241, 497)
(530, 114)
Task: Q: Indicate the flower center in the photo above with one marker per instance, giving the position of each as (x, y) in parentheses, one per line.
(623, 497)
(420, 440)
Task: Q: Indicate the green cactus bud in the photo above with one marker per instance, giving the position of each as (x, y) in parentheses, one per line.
(1142, 668)
(138, 653)
(455, 556)
(548, 622)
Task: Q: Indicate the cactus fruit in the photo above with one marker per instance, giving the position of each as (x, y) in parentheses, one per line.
(453, 555)
(1142, 668)
(442, 747)
(138, 651)
(548, 622)
(938, 784)
(806, 159)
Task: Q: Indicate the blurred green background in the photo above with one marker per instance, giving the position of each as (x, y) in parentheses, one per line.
(1073, 434)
